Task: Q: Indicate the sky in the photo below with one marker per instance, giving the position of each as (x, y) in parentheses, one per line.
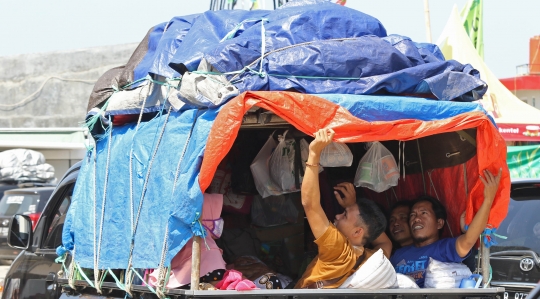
(33, 26)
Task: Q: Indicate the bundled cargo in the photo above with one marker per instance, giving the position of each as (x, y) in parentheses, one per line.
(23, 165)
(166, 120)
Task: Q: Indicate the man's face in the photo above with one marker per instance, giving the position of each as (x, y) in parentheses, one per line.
(423, 223)
(399, 225)
(346, 222)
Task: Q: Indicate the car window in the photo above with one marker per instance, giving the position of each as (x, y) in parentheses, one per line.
(53, 238)
(18, 203)
(521, 227)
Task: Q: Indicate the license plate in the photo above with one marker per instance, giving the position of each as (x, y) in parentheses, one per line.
(515, 295)
(4, 231)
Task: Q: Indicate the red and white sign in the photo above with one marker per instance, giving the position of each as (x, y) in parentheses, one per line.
(519, 132)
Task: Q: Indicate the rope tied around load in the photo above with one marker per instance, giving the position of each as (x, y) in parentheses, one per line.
(100, 112)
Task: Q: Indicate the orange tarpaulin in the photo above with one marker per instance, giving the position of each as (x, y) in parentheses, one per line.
(308, 113)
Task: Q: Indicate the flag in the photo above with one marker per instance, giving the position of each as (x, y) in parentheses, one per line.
(472, 17)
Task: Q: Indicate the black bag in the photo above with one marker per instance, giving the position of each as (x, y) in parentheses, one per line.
(238, 242)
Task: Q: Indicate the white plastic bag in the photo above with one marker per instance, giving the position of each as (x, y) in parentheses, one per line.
(377, 170)
(282, 164)
(336, 154)
(441, 275)
(261, 172)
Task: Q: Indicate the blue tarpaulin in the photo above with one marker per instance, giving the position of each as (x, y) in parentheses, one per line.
(179, 210)
(104, 168)
(321, 39)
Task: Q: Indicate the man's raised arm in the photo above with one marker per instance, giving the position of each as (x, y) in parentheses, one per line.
(465, 242)
(311, 196)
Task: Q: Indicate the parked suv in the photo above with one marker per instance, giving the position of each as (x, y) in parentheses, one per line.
(33, 273)
(516, 260)
(28, 200)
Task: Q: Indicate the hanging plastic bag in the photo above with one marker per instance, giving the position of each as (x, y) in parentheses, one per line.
(336, 154)
(271, 211)
(261, 172)
(282, 164)
(377, 170)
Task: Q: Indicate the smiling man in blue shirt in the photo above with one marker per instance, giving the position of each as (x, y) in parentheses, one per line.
(426, 221)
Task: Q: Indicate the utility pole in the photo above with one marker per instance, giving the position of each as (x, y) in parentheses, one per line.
(428, 24)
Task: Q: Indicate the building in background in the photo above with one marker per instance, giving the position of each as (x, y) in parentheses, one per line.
(44, 97)
(526, 85)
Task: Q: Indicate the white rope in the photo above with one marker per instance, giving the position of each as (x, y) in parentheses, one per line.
(127, 278)
(71, 274)
(131, 158)
(96, 271)
(160, 286)
(150, 163)
(24, 100)
(96, 263)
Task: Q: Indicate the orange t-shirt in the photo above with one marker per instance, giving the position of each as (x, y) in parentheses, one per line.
(337, 257)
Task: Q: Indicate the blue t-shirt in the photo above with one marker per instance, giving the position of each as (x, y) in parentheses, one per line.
(413, 261)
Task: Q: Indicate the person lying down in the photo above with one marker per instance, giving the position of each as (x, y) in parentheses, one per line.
(343, 261)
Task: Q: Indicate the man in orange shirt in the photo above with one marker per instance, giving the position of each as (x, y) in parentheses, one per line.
(341, 244)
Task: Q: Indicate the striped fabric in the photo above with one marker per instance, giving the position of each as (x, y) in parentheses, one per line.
(376, 273)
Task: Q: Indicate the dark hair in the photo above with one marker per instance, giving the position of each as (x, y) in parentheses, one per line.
(436, 205)
(372, 218)
(401, 203)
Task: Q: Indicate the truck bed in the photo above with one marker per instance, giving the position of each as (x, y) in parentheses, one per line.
(111, 290)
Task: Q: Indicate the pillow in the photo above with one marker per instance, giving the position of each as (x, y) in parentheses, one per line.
(441, 275)
(376, 273)
(406, 282)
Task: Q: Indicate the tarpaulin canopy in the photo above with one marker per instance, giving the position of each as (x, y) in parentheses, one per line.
(309, 113)
(171, 216)
(517, 121)
(142, 184)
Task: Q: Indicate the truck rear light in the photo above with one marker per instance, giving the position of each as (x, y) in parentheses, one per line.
(34, 217)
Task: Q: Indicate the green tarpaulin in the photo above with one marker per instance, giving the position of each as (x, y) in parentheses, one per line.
(524, 161)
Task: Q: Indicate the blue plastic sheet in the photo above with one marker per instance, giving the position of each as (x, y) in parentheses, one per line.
(161, 207)
(170, 42)
(291, 24)
(362, 65)
(179, 209)
(309, 38)
(391, 108)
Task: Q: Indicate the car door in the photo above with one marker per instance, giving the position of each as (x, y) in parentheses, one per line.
(34, 272)
(515, 260)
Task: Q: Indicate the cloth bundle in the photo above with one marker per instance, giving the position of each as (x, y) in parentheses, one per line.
(232, 280)
(24, 165)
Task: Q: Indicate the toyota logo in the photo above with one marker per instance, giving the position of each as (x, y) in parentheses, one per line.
(526, 264)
